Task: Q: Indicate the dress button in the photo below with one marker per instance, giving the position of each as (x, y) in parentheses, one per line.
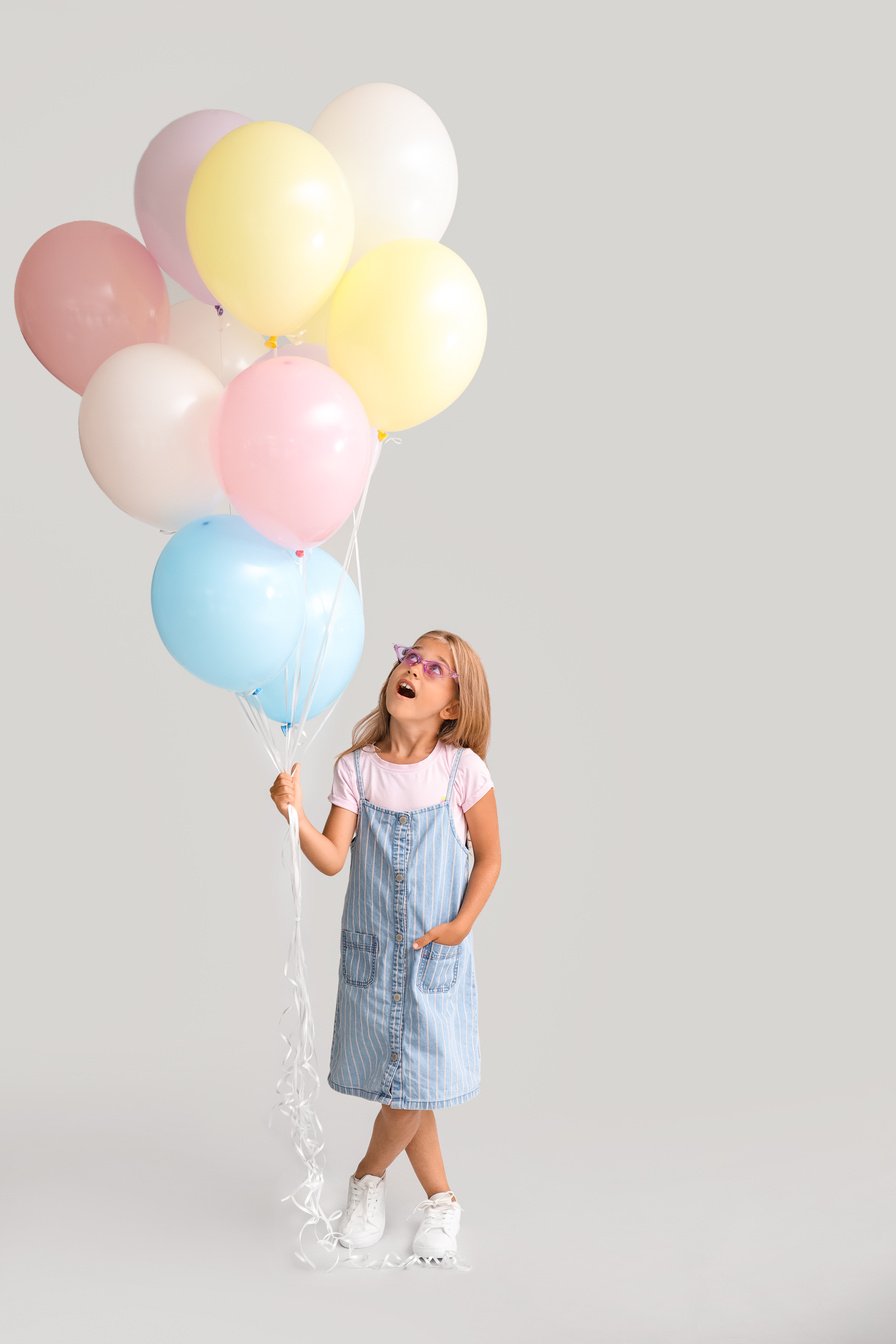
(396, 996)
(398, 937)
(394, 1056)
(403, 819)
(399, 877)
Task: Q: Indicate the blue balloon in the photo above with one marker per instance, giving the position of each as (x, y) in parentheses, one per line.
(227, 602)
(344, 644)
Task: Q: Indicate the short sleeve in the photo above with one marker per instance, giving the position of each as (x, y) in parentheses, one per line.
(344, 792)
(472, 780)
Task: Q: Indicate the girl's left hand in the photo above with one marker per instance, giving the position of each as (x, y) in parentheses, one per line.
(451, 934)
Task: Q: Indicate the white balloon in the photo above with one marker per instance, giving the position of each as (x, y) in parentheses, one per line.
(398, 160)
(224, 345)
(144, 427)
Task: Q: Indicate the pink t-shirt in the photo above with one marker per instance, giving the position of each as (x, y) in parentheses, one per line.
(419, 785)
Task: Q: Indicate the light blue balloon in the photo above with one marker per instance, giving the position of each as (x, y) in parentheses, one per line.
(227, 602)
(344, 644)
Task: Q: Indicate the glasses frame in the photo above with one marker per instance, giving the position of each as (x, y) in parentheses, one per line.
(401, 652)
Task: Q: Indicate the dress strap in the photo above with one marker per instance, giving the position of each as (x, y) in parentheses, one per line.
(457, 755)
(357, 756)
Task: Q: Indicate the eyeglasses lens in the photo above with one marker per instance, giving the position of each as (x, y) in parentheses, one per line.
(430, 668)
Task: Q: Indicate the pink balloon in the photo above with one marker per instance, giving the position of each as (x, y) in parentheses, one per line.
(293, 449)
(85, 290)
(318, 352)
(308, 351)
(164, 174)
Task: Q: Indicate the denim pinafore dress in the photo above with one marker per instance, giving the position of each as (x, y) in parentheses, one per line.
(406, 1029)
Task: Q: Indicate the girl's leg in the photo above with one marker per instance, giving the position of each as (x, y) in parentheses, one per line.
(392, 1132)
(425, 1154)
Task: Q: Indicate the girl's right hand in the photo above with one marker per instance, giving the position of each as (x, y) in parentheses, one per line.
(287, 789)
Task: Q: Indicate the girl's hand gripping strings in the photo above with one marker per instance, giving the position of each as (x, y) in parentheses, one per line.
(287, 789)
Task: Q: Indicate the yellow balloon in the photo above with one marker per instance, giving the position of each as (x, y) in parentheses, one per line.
(407, 330)
(314, 330)
(270, 224)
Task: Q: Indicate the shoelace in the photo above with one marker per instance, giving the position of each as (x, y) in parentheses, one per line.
(437, 1215)
(362, 1194)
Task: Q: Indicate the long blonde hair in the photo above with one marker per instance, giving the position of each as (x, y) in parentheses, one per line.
(473, 725)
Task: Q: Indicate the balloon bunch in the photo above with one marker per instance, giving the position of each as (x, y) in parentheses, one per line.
(247, 420)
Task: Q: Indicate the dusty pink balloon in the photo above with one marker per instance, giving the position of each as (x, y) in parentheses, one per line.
(163, 179)
(293, 448)
(85, 290)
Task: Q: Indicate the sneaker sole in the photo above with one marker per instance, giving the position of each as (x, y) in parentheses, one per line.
(359, 1241)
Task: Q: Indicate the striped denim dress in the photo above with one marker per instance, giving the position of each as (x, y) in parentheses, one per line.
(406, 1029)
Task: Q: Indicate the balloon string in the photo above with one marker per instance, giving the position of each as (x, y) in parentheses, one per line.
(220, 312)
(221, 325)
(321, 655)
(299, 1083)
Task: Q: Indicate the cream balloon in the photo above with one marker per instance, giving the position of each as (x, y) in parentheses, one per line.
(144, 426)
(221, 343)
(398, 160)
(407, 330)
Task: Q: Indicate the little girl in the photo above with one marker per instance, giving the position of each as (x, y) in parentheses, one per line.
(406, 1026)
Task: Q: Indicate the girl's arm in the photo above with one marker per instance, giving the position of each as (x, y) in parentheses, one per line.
(327, 849)
(482, 823)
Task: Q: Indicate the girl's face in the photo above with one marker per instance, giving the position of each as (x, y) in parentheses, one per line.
(432, 696)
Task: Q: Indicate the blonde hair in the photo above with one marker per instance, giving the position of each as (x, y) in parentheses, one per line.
(473, 725)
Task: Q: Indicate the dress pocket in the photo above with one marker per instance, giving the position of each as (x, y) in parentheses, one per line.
(438, 967)
(359, 951)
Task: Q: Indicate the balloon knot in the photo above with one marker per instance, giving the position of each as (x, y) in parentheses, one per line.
(300, 553)
(381, 434)
(271, 342)
(219, 310)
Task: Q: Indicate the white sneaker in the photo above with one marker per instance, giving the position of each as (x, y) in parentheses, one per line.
(437, 1234)
(364, 1218)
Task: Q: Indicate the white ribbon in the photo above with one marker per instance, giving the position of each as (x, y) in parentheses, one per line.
(300, 1082)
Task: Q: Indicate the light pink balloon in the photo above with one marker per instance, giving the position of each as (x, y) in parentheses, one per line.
(307, 350)
(298, 351)
(84, 290)
(164, 174)
(293, 449)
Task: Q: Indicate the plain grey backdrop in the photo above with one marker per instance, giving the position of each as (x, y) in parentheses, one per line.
(662, 513)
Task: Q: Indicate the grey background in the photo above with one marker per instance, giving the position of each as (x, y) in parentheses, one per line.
(662, 512)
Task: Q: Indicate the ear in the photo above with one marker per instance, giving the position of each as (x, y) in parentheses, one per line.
(451, 711)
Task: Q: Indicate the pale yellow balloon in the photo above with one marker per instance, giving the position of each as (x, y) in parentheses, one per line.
(314, 330)
(407, 330)
(270, 225)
